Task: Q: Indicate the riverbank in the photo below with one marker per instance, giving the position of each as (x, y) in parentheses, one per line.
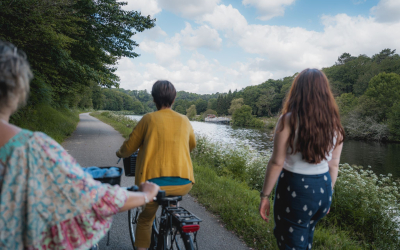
(57, 123)
(358, 217)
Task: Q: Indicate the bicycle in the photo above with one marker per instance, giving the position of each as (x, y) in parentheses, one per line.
(175, 229)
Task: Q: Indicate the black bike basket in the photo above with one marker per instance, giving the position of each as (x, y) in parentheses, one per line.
(130, 164)
(111, 180)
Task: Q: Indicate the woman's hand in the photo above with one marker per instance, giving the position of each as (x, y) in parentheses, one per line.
(264, 209)
(150, 189)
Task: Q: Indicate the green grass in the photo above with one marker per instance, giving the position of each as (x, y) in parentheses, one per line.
(120, 123)
(237, 206)
(57, 123)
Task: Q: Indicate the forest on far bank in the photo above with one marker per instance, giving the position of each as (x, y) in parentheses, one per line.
(367, 91)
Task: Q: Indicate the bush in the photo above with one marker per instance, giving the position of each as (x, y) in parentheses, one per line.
(367, 205)
(243, 117)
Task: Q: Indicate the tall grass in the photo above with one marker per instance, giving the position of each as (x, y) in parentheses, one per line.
(364, 204)
(121, 123)
(57, 123)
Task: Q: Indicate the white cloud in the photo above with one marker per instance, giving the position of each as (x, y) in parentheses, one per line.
(269, 8)
(146, 7)
(203, 37)
(166, 53)
(387, 11)
(189, 8)
(272, 51)
(286, 49)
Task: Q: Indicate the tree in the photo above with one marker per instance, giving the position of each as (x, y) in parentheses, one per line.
(180, 109)
(235, 104)
(201, 105)
(243, 117)
(264, 102)
(394, 121)
(346, 102)
(191, 112)
(385, 90)
(344, 58)
(212, 104)
(137, 107)
(71, 44)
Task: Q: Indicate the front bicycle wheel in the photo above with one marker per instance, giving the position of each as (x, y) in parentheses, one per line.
(133, 215)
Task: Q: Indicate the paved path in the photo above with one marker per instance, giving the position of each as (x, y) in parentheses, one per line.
(94, 144)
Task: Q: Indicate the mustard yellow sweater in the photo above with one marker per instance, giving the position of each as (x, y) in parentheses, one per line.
(165, 139)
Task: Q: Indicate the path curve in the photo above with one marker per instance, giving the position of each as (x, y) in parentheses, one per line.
(94, 144)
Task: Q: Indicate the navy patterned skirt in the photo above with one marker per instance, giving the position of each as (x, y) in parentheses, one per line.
(300, 202)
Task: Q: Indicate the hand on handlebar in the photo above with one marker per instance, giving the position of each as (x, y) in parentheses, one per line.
(150, 189)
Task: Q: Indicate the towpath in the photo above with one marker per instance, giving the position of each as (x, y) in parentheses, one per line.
(94, 144)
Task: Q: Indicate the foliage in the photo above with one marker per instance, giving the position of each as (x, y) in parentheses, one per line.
(364, 204)
(235, 104)
(56, 123)
(394, 121)
(367, 205)
(243, 117)
(364, 127)
(346, 102)
(385, 89)
(191, 112)
(72, 45)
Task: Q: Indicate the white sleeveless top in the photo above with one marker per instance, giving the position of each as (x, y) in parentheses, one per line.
(294, 162)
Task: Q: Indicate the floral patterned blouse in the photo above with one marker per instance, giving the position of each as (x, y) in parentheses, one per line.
(47, 201)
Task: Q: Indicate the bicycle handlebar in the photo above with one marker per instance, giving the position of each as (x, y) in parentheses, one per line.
(160, 196)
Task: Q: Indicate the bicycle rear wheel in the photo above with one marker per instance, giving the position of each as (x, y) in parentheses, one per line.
(133, 215)
(177, 240)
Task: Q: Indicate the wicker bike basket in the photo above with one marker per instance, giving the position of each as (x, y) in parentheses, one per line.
(130, 164)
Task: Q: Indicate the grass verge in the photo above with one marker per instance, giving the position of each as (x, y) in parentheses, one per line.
(57, 123)
(237, 206)
(120, 123)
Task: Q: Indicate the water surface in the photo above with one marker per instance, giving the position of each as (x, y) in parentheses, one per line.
(383, 158)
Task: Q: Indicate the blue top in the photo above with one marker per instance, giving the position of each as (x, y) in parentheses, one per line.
(170, 181)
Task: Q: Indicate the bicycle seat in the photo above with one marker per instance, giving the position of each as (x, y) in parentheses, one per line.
(172, 198)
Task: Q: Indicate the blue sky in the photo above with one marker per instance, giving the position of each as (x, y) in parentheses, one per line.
(208, 46)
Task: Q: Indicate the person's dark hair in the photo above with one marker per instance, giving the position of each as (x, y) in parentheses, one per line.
(15, 75)
(163, 93)
(313, 108)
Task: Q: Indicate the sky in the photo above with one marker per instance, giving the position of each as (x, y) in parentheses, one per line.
(209, 46)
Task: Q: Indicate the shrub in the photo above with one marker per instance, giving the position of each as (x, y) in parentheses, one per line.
(367, 205)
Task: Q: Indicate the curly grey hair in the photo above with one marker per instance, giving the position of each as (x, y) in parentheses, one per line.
(15, 75)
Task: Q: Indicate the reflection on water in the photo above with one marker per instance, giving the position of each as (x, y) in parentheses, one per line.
(383, 158)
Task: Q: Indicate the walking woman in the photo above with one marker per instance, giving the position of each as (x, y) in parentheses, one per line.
(307, 146)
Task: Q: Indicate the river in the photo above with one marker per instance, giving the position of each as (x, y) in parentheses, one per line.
(384, 158)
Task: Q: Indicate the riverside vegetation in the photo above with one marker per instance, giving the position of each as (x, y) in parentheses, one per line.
(363, 213)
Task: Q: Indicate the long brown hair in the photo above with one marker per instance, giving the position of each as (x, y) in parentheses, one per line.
(314, 111)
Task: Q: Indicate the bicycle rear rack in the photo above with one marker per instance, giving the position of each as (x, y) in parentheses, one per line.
(182, 217)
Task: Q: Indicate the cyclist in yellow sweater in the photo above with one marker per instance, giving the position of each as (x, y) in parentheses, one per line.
(164, 139)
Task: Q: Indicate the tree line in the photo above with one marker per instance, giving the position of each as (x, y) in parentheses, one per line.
(73, 47)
